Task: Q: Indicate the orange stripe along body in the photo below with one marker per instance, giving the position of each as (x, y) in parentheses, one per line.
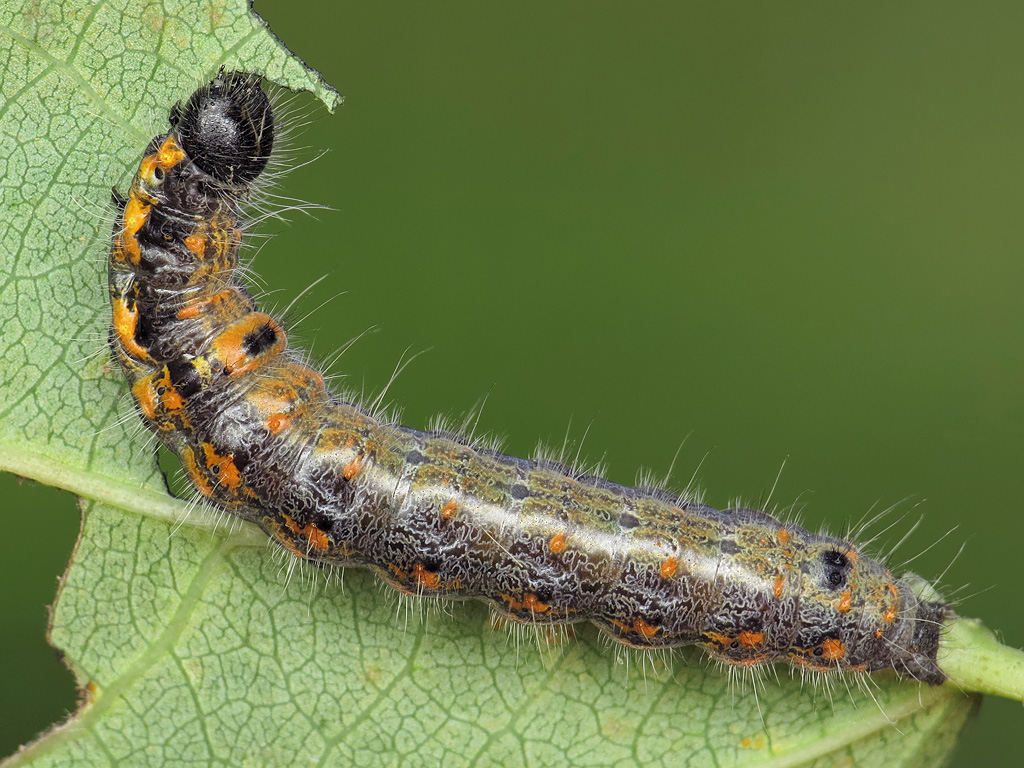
(261, 437)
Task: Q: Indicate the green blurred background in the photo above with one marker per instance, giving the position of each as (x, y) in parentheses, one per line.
(786, 235)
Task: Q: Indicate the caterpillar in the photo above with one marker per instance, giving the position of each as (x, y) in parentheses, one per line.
(261, 437)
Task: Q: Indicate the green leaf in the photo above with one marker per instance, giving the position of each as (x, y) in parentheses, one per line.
(195, 649)
(191, 643)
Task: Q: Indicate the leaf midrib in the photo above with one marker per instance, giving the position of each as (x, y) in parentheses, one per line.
(130, 497)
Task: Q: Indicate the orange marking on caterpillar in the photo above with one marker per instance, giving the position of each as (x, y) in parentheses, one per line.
(783, 536)
(424, 578)
(529, 602)
(833, 649)
(532, 602)
(352, 468)
(126, 323)
(317, 538)
(199, 479)
(196, 244)
(779, 587)
(156, 393)
(449, 509)
(669, 567)
(223, 466)
(136, 214)
(277, 423)
(145, 398)
(748, 639)
(641, 627)
(170, 398)
(845, 602)
(892, 611)
(169, 154)
(230, 345)
(279, 404)
(557, 543)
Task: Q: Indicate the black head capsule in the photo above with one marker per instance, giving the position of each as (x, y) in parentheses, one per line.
(227, 128)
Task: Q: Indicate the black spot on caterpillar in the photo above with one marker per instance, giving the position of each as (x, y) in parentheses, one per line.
(261, 437)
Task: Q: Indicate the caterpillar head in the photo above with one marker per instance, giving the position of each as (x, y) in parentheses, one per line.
(227, 128)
